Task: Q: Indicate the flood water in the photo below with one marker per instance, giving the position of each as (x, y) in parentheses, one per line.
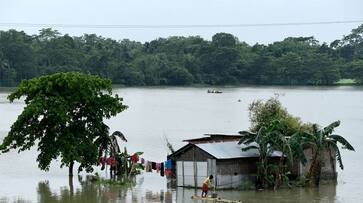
(181, 113)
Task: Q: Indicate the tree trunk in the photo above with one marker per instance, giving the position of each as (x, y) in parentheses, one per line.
(71, 168)
(71, 188)
(264, 173)
(315, 169)
(278, 180)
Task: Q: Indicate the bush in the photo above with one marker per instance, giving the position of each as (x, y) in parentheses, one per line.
(262, 114)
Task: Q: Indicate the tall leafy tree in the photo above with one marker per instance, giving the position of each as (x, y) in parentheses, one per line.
(183, 60)
(64, 117)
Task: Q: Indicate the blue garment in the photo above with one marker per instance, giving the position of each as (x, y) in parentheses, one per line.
(168, 164)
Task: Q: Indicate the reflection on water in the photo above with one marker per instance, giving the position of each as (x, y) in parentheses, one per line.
(93, 193)
(87, 193)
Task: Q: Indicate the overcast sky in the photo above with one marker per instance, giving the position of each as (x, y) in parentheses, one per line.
(188, 12)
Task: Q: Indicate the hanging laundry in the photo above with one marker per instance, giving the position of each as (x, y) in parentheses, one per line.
(134, 158)
(142, 160)
(146, 166)
(153, 165)
(149, 166)
(157, 167)
(162, 169)
(111, 161)
(168, 172)
(168, 164)
(102, 161)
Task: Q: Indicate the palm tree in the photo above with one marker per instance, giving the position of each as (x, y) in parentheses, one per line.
(321, 140)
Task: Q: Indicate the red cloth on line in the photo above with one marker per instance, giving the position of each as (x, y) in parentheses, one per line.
(102, 160)
(111, 161)
(134, 158)
(168, 172)
(157, 167)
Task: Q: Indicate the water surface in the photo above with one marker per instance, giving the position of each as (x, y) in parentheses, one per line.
(181, 113)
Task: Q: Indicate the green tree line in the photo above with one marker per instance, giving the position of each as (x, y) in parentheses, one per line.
(224, 60)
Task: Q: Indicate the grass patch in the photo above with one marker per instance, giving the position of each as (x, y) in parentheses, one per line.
(346, 81)
(123, 183)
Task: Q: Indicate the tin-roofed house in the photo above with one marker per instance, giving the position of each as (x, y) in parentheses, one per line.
(222, 158)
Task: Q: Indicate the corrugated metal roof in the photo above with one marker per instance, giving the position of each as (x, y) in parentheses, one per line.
(230, 150)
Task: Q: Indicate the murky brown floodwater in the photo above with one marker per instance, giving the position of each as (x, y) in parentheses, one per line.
(181, 113)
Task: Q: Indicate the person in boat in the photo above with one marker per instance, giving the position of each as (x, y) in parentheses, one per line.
(207, 183)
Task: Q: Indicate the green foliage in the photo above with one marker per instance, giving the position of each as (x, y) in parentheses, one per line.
(356, 68)
(123, 183)
(274, 129)
(321, 140)
(262, 114)
(300, 181)
(268, 140)
(64, 116)
(247, 185)
(181, 60)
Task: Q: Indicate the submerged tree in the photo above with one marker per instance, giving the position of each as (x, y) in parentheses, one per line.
(262, 114)
(63, 116)
(108, 146)
(267, 141)
(320, 141)
(259, 141)
(273, 128)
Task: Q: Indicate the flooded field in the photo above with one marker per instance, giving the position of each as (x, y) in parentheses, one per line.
(181, 113)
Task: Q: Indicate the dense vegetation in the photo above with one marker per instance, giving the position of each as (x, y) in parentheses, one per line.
(64, 116)
(274, 129)
(182, 60)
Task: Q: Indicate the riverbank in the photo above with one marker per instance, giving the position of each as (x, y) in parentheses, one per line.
(341, 82)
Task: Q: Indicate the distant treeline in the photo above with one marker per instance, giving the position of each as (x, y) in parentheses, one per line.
(182, 60)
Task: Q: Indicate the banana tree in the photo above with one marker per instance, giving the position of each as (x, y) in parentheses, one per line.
(321, 140)
(275, 137)
(108, 145)
(266, 141)
(260, 142)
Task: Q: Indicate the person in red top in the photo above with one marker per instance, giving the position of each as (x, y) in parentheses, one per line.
(206, 184)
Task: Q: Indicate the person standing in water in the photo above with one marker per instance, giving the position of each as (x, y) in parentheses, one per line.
(206, 184)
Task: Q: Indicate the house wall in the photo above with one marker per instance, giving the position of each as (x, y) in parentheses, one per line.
(232, 173)
(328, 170)
(194, 153)
(236, 166)
(192, 167)
(228, 173)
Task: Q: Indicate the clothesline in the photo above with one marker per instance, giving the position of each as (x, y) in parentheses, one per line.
(164, 168)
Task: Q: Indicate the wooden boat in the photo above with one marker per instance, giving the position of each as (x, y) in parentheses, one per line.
(218, 199)
(214, 91)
